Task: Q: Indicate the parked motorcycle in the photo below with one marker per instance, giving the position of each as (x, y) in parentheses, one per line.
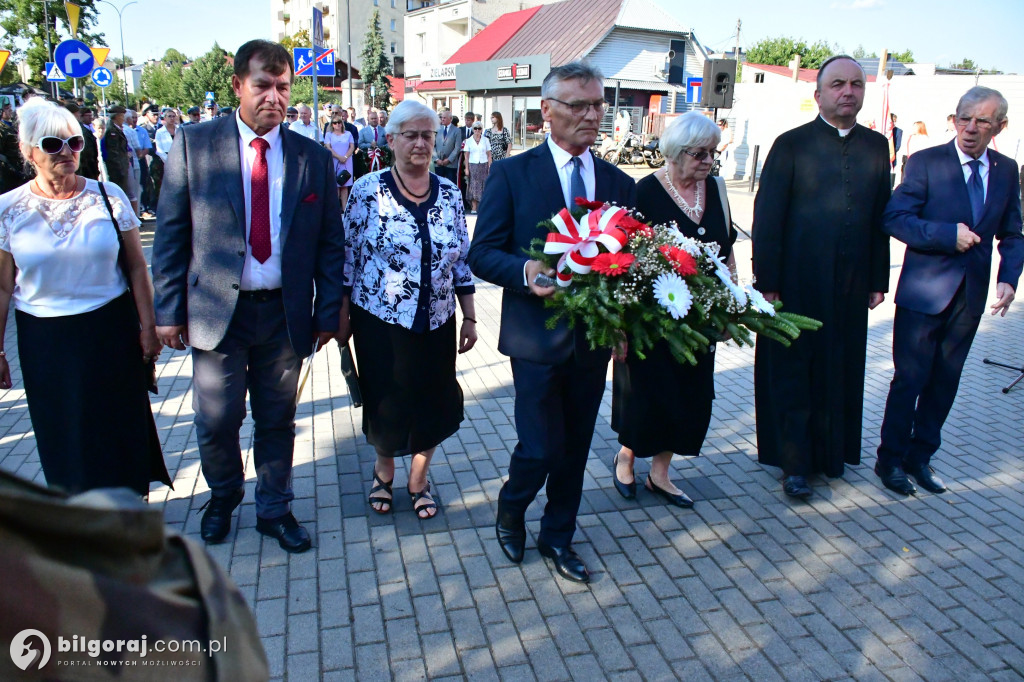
(632, 150)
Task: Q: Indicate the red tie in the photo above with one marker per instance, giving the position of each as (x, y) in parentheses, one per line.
(259, 225)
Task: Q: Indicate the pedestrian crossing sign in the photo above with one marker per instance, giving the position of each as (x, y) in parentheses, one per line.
(53, 74)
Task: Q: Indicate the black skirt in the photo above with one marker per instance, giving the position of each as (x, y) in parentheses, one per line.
(411, 398)
(660, 405)
(85, 384)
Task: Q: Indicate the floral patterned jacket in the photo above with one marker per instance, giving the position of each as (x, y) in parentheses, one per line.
(396, 264)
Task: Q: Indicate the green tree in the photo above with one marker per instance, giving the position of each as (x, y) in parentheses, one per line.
(163, 81)
(299, 39)
(209, 72)
(861, 53)
(25, 30)
(779, 51)
(966, 64)
(302, 92)
(376, 67)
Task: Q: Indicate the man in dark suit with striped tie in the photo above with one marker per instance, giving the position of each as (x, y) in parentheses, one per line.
(953, 200)
(559, 381)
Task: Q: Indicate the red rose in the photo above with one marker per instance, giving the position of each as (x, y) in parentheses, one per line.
(612, 264)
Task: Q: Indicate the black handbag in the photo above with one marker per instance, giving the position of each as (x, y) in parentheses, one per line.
(343, 177)
(151, 365)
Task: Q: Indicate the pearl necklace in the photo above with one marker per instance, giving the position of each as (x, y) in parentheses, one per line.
(692, 212)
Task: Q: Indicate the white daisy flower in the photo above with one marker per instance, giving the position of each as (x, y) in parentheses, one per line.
(735, 289)
(673, 295)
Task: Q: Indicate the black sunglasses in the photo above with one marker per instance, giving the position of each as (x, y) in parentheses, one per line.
(53, 145)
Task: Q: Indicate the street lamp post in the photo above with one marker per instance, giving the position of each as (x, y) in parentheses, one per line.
(120, 27)
(49, 49)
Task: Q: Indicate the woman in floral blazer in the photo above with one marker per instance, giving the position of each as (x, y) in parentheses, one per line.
(405, 266)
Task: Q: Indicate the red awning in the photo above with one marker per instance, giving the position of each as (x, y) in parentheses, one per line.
(484, 44)
(433, 86)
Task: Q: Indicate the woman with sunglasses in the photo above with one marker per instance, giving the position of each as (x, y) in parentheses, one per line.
(341, 144)
(659, 406)
(82, 353)
(405, 267)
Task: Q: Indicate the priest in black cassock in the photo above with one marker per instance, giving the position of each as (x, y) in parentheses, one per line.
(818, 245)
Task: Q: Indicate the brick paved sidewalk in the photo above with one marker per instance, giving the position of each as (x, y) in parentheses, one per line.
(854, 584)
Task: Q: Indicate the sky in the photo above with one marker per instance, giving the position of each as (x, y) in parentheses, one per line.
(928, 27)
(938, 31)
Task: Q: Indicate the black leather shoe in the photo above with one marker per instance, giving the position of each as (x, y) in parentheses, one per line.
(290, 535)
(926, 478)
(681, 500)
(216, 523)
(796, 486)
(895, 479)
(511, 531)
(567, 562)
(627, 490)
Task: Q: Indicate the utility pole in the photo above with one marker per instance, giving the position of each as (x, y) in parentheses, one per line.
(736, 54)
(49, 49)
(348, 32)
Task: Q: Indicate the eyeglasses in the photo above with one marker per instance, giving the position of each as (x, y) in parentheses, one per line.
(337, 123)
(702, 154)
(982, 123)
(581, 108)
(54, 145)
(425, 135)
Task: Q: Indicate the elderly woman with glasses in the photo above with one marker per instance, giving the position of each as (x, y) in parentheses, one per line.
(661, 407)
(341, 144)
(405, 267)
(83, 353)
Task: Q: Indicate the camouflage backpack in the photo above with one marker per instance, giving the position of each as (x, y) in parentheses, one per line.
(95, 587)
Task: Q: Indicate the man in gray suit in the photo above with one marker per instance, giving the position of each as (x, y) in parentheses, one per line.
(247, 268)
(373, 142)
(447, 147)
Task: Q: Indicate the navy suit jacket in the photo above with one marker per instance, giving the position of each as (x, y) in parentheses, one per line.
(200, 243)
(522, 191)
(923, 213)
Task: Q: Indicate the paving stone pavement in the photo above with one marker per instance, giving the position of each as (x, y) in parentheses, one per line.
(854, 584)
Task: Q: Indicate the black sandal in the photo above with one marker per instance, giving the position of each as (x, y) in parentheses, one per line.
(426, 507)
(382, 486)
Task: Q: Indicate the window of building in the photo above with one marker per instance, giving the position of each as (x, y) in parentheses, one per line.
(393, 5)
(393, 24)
(394, 47)
(759, 78)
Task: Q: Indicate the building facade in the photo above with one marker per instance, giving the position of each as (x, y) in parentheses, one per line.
(436, 30)
(651, 64)
(288, 17)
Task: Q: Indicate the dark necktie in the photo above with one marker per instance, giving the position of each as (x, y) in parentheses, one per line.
(445, 133)
(576, 186)
(976, 190)
(259, 222)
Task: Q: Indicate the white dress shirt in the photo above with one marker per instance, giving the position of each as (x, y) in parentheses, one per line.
(267, 275)
(304, 129)
(163, 143)
(983, 169)
(563, 164)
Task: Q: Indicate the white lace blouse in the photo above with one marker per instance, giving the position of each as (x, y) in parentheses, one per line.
(65, 250)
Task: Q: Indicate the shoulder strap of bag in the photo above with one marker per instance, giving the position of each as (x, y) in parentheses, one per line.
(725, 202)
(120, 240)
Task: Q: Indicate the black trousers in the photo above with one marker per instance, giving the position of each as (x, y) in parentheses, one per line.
(928, 352)
(556, 408)
(255, 357)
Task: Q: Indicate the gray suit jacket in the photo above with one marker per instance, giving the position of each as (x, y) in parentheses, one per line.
(366, 138)
(200, 244)
(448, 148)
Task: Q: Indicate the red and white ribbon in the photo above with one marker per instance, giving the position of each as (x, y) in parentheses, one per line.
(577, 242)
(375, 157)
